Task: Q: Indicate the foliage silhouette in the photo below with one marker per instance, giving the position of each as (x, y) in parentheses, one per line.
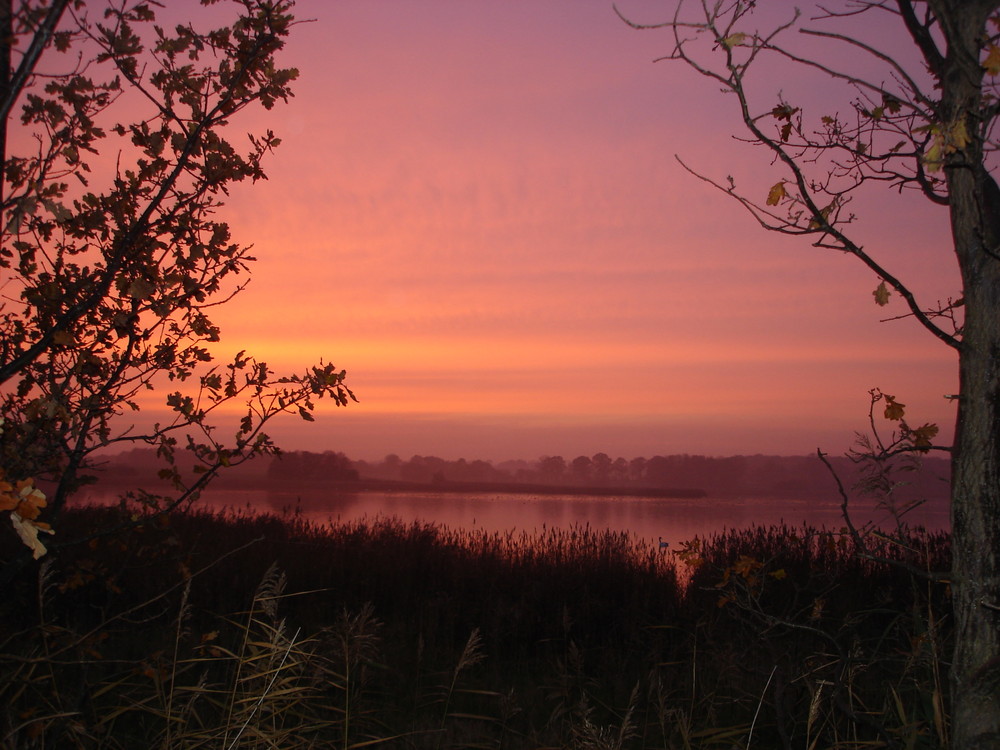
(112, 253)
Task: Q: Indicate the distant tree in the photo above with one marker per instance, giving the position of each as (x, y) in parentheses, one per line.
(289, 465)
(619, 471)
(334, 465)
(637, 469)
(424, 469)
(111, 252)
(512, 468)
(660, 471)
(732, 474)
(437, 466)
(470, 471)
(581, 469)
(552, 468)
(415, 470)
(482, 471)
(928, 127)
(600, 467)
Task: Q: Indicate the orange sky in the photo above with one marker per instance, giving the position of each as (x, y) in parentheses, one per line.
(477, 212)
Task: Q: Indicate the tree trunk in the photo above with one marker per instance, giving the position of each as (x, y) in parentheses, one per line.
(6, 40)
(974, 201)
(975, 508)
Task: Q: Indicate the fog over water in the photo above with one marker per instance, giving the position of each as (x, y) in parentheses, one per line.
(675, 498)
(672, 519)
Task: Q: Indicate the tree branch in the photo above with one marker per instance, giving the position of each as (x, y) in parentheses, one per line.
(922, 37)
(38, 43)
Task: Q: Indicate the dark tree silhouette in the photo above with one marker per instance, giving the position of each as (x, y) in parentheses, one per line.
(111, 251)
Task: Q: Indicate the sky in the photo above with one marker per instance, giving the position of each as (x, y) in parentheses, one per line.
(478, 212)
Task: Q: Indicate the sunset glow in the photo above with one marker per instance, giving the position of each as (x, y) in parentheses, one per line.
(476, 211)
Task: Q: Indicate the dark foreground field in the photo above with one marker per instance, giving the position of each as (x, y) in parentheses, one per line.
(244, 631)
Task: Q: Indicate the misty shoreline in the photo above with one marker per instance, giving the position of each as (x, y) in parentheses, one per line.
(677, 477)
(365, 484)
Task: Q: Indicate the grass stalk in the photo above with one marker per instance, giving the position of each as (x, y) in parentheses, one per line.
(265, 692)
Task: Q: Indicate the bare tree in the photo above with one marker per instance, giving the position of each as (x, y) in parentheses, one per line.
(928, 127)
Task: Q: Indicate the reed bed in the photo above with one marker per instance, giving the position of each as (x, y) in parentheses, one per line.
(238, 629)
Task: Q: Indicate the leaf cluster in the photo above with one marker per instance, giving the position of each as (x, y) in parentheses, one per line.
(112, 253)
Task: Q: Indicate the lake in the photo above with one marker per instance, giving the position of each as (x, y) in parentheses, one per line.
(674, 520)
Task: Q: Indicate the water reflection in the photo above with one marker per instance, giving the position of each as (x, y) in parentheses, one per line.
(648, 519)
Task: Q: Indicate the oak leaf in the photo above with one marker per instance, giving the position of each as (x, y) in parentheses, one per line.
(893, 409)
(958, 136)
(881, 295)
(776, 193)
(746, 566)
(922, 436)
(934, 157)
(824, 216)
(784, 112)
(28, 530)
(992, 62)
(734, 40)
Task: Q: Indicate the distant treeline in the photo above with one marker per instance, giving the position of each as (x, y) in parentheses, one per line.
(732, 476)
(743, 476)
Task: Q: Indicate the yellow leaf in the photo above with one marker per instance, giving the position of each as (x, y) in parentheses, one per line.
(958, 136)
(881, 295)
(734, 40)
(933, 156)
(922, 436)
(823, 217)
(784, 112)
(746, 566)
(992, 61)
(776, 193)
(28, 531)
(893, 409)
(778, 574)
(30, 499)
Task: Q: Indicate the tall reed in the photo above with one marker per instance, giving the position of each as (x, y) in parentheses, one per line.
(244, 630)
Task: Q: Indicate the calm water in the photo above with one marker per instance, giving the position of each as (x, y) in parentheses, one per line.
(674, 520)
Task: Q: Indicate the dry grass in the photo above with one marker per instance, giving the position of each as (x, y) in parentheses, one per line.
(242, 631)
